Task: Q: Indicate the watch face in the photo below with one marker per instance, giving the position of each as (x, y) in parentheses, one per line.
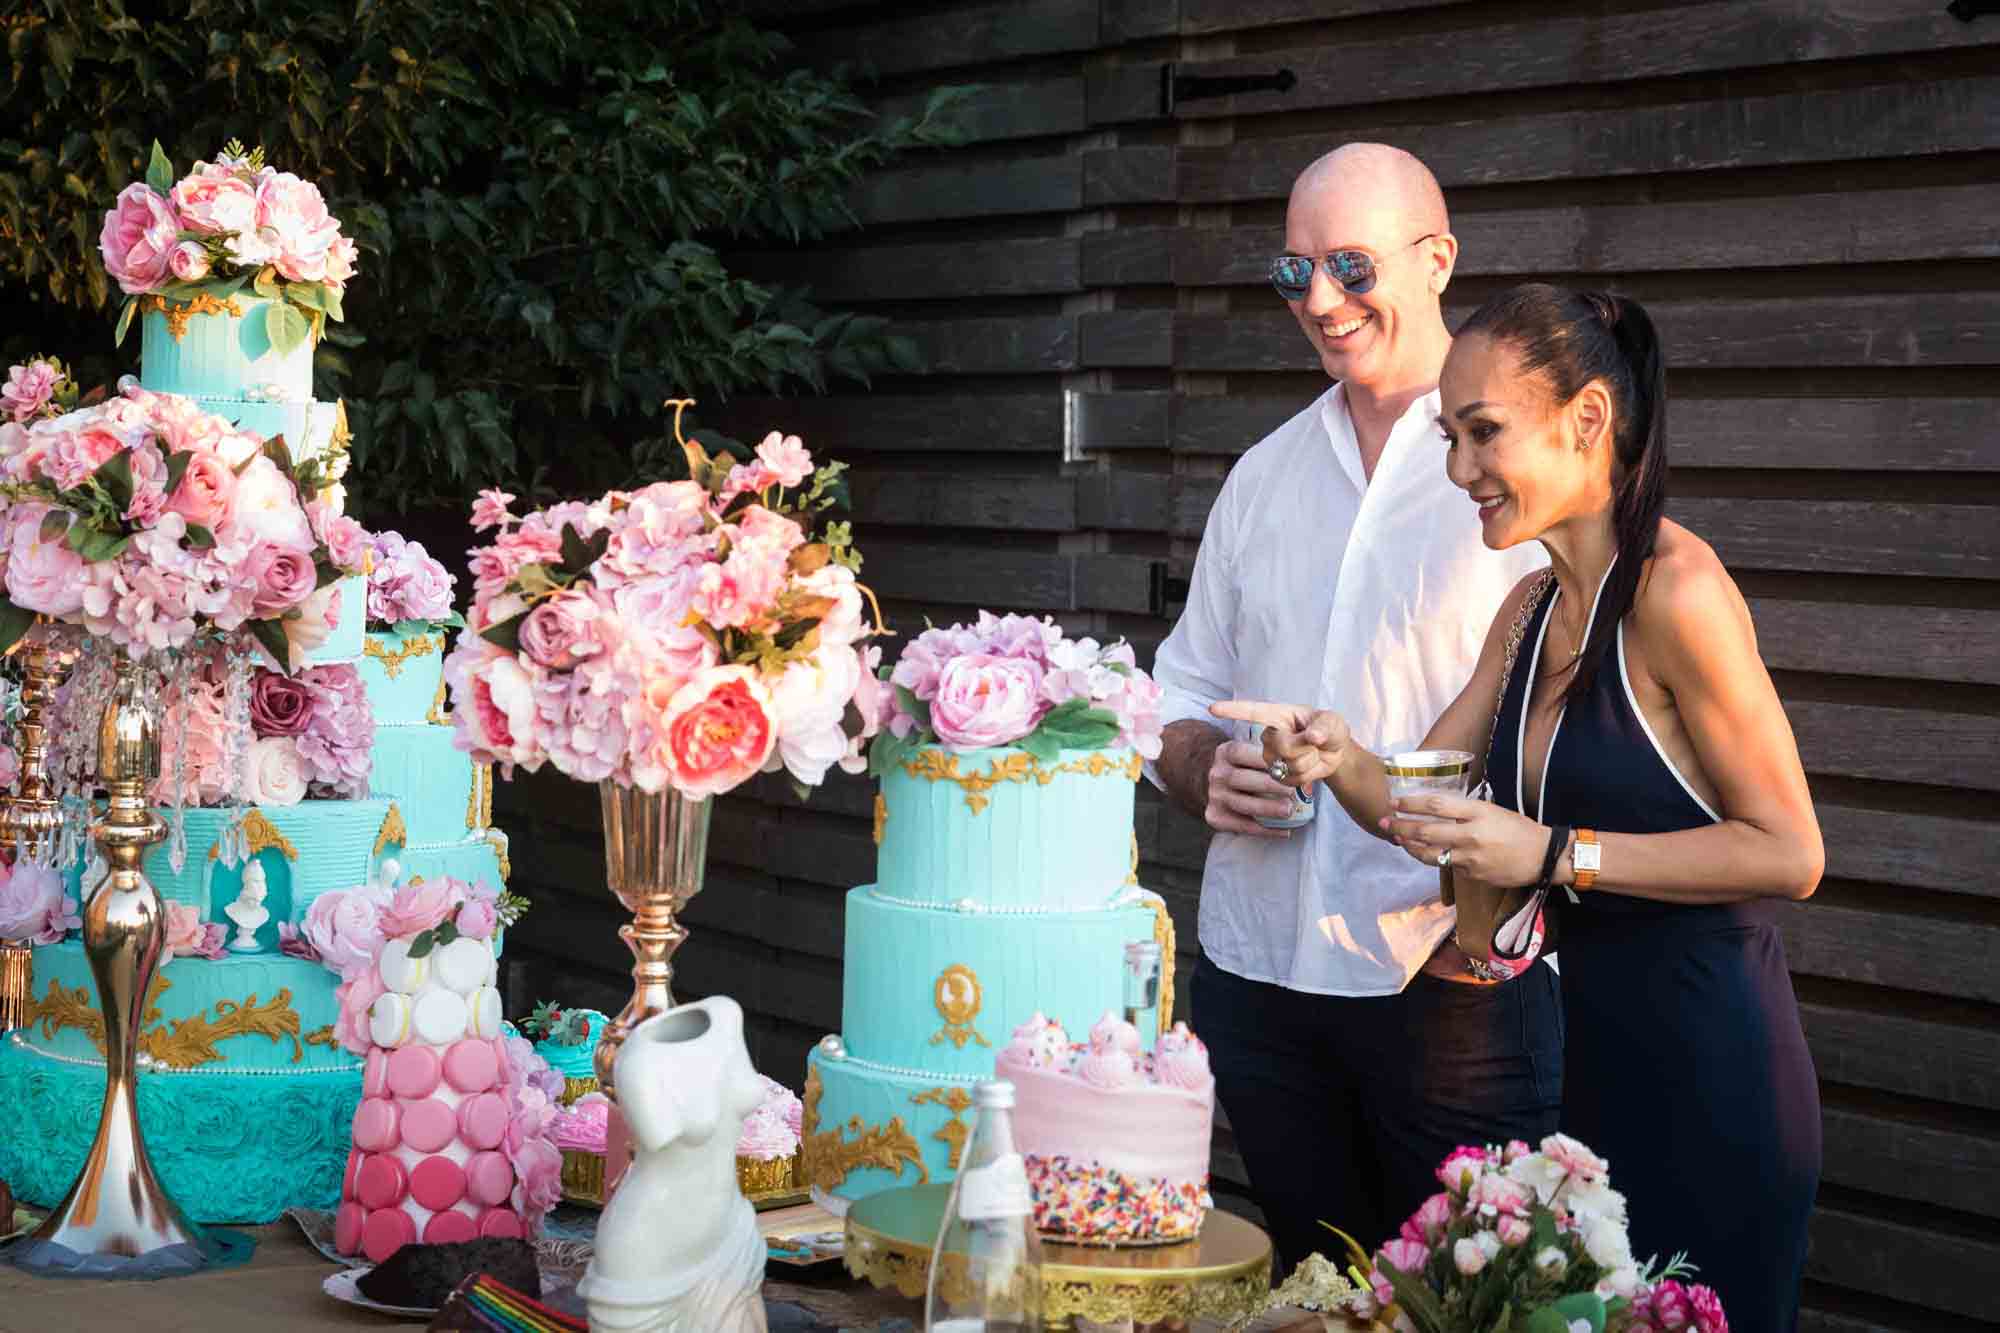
(1585, 857)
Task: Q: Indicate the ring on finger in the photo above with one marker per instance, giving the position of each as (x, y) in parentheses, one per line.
(1279, 770)
(1444, 859)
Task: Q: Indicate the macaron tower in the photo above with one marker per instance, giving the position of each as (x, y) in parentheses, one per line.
(448, 1138)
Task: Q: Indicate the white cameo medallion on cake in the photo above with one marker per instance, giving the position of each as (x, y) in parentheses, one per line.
(248, 911)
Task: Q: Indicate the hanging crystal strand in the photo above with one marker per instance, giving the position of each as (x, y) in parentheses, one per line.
(177, 827)
(237, 704)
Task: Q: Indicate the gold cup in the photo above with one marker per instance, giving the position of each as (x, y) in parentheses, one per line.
(655, 846)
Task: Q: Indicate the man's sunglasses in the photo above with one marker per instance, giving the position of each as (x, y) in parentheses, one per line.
(1353, 271)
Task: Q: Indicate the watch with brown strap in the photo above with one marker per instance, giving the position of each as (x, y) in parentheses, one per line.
(1586, 859)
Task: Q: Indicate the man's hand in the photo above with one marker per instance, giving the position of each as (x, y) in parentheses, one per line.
(1222, 782)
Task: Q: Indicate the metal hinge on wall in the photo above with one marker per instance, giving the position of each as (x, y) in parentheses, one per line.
(1176, 87)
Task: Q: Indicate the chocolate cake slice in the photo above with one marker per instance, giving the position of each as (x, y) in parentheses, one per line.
(422, 1276)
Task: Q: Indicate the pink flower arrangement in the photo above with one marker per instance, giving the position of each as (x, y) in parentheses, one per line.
(189, 936)
(1016, 680)
(407, 584)
(689, 634)
(32, 905)
(95, 530)
(312, 737)
(37, 388)
(229, 223)
(1531, 1238)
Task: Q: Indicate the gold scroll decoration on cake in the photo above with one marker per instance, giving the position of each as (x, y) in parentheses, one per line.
(826, 1157)
(479, 805)
(1163, 934)
(939, 766)
(881, 817)
(1132, 875)
(958, 997)
(393, 830)
(955, 1132)
(179, 312)
(260, 835)
(392, 658)
(498, 842)
(439, 716)
(183, 1043)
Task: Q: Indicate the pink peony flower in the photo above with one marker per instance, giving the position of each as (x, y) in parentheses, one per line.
(582, 713)
(279, 704)
(29, 389)
(347, 542)
(74, 455)
(61, 920)
(716, 732)
(197, 722)
(418, 907)
(337, 744)
(42, 576)
(490, 510)
(1430, 1220)
(284, 576)
(1514, 1151)
(1708, 1316)
(406, 583)
(984, 700)
(563, 631)
(186, 931)
(538, 1172)
(1407, 1255)
(786, 457)
(189, 262)
(267, 508)
(138, 239)
(493, 705)
(1021, 636)
(357, 994)
(345, 928)
(28, 893)
(292, 218)
(340, 262)
(214, 199)
(478, 919)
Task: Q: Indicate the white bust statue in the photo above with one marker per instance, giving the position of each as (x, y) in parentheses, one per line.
(248, 911)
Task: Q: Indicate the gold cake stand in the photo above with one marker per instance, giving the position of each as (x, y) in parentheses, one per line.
(1224, 1274)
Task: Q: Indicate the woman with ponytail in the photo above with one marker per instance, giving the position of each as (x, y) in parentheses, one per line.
(1640, 775)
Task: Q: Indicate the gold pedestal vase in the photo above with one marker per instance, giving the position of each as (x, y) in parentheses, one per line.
(117, 1220)
(655, 844)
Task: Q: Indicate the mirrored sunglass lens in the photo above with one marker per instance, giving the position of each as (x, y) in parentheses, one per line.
(1292, 275)
(1353, 270)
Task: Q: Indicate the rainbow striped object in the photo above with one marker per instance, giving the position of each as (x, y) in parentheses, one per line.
(481, 1303)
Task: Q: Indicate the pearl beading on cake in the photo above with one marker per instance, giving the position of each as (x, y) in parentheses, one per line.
(972, 907)
(147, 1064)
(831, 1047)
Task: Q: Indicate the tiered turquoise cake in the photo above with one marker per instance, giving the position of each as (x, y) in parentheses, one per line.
(1004, 886)
(246, 1099)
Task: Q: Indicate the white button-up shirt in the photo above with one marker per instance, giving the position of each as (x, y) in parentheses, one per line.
(1317, 585)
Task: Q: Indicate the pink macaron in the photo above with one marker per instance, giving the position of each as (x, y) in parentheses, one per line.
(482, 1120)
(386, 1231)
(347, 1227)
(380, 1182)
(501, 1222)
(413, 1072)
(375, 1074)
(429, 1124)
(437, 1183)
(377, 1124)
(471, 1066)
(354, 1156)
(449, 1228)
(489, 1178)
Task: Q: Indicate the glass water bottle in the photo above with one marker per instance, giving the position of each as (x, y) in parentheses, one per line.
(1142, 988)
(986, 1268)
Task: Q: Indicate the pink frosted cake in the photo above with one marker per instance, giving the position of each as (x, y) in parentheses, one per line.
(1116, 1139)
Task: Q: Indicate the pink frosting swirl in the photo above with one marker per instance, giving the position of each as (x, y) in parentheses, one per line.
(1112, 1032)
(1180, 1060)
(582, 1127)
(1109, 1069)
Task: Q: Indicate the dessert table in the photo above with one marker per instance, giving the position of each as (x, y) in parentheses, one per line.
(1223, 1275)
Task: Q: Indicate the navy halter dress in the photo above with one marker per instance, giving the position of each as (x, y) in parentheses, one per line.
(1684, 1064)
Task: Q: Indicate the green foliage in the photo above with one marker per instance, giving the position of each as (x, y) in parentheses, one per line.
(538, 189)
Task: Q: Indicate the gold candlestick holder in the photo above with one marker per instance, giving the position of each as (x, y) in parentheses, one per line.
(117, 1219)
(31, 818)
(655, 847)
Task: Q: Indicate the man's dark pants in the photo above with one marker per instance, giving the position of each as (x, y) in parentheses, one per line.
(1343, 1107)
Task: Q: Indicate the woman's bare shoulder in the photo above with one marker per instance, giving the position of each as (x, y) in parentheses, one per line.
(1686, 596)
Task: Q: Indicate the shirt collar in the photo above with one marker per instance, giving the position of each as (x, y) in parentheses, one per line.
(1339, 424)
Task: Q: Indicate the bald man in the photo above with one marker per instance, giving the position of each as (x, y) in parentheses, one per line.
(1352, 1046)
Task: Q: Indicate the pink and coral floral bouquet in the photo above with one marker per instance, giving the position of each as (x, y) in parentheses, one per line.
(1016, 680)
(36, 389)
(227, 224)
(689, 634)
(149, 522)
(311, 737)
(407, 587)
(1532, 1238)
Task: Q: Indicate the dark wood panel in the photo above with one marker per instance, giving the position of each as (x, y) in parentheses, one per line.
(1021, 580)
(1127, 338)
(1128, 257)
(1136, 175)
(1897, 744)
(992, 112)
(1944, 1270)
(995, 346)
(1917, 642)
(1892, 120)
(1133, 20)
(1133, 419)
(1871, 330)
(1050, 265)
(989, 189)
(844, 426)
(1118, 583)
(1922, 851)
(1851, 227)
(1956, 1063)
(1199, 16)
(1545, 51)
(927, 499)
(1936, 955)
(1847, 536)
(1125, 500)
(1904, 1157)
(968, 37)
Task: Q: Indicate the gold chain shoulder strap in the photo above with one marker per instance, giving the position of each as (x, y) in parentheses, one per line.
(1515, 635)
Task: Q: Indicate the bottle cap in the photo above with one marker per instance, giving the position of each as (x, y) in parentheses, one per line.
(1142, 951)
(995, 1094)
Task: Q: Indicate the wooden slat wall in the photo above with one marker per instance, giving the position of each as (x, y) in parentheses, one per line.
(1804, 194)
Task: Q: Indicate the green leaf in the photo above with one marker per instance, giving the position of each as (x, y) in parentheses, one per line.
(1585, 1305)
(311, 295)
(115, 475)
(177, 466)
(886, 751)
(280, 453)
(55, 524)
(1545, 1320)
(124, 321)
(507, 633)
(271, 635)
(576, 553)
(160, 170)
(199, 538)
(14, 622)
(421, 946)
(915, 707)
(1040, 744)
(285, 326)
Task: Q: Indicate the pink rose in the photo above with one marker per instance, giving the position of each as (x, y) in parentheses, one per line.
(786, 457)
(1461, 1163)
(717, 731)
(490, 510)
(347, 542)
(28, 894)
(417, 908)
(186, 931)
(214, 199)
(283, 575)
(340, 265)
(1467, 1257)
(984, 700)
(29, 389)
(279, 705)
(1406, 1255)
(1708, 1316)
(345, 929)
(1514, 1231)
(562, 631)
(1430, 1220)
(275, 775)
(357, 995)
(138, 239)
(189, 262)
(493, 704)
(318, 616)
(477, 919)
(42, 576)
